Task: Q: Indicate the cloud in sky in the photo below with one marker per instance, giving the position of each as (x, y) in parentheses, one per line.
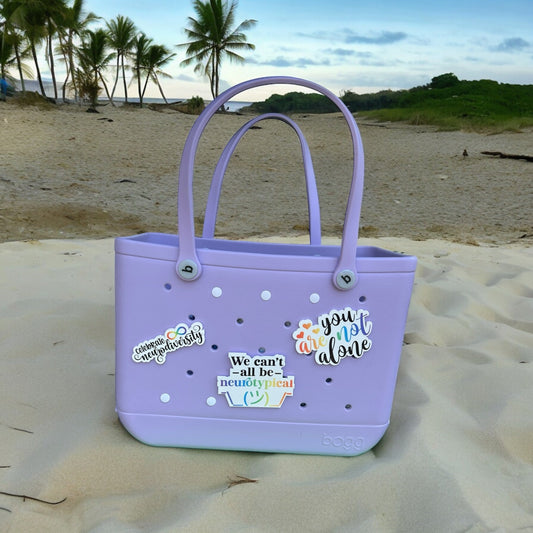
(347, 36)
(340, 52)
(283, 61)
(514, 44)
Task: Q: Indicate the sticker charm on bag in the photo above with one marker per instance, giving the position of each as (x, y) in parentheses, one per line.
(338, 334)
(255, 381)
(156, 349)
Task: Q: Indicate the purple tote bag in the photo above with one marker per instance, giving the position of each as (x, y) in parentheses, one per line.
(257, 346)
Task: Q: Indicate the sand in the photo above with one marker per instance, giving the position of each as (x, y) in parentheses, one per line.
(67, 173)
(458, 455)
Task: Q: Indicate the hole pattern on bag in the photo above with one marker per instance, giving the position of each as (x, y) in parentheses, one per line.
(240, 321)
(190, 372)
(303, 405)
(329, 380)
(167, 286)
(214, 347)
(348, 406)
(288, 324)
(362, 298)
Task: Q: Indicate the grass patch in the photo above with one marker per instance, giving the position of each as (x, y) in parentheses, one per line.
(446, 122)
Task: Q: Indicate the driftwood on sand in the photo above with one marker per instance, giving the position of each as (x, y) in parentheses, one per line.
(509, 156)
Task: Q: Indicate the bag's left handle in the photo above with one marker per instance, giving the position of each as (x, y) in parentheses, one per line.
(188, 266)
(310, 181)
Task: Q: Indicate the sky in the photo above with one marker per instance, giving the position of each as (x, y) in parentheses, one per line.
(362, 46)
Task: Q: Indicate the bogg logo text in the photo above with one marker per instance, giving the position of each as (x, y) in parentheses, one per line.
(346, 443)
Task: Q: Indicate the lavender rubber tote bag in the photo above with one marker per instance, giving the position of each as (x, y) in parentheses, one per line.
(256, 346)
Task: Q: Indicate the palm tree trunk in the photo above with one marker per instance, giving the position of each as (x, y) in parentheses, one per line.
(19, 67)
(52, 67)
(109, 96)
(34, 54)
(64, 88)
(72, 71)
(117, 75)
(139, 86)
(146, 83)
(67, 65)
(217, 72)
(156, 79)
(124, 80)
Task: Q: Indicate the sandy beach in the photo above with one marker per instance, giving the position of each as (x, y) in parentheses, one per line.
(458, 455)
(67, 173)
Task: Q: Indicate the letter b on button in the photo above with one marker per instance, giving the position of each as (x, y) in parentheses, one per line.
(345, 279)
(187, 270)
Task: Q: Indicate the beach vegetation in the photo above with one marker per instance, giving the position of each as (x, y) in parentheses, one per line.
(121, 34)
(139, 50)
(62, 28)
(94, 57)
(156, 57)
(445, 102)
(74, 24)
(14, 47)
(10, 50)
(482, 105)
(195, 105)
(295, 102)
(87, 86)
(212, 35)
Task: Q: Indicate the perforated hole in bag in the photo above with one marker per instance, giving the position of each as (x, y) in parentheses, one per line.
(348, 406)
(362, 298)
(287, 324)
(261, 349)
(329, 380)
(214, 347)
(303, 405)
(190, 372)
(240, 321)
(191, 317)
(167, 286)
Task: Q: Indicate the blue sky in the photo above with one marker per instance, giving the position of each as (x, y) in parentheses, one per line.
(359, 45)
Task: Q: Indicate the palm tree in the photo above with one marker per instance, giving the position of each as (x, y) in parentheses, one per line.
(156, 57)
(52, 11)
(28, 17)
(121, 35)
(212, 36)
(141, 45)
(94, 58)
(74, 24)
(11, 56)
(13, 47)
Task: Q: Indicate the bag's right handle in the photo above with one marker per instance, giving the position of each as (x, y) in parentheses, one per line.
(216, 183)
(188, 266)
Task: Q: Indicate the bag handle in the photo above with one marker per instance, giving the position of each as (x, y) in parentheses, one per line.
(188, 266)
(313, 205)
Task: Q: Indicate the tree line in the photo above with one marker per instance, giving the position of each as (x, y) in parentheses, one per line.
(445, 94)
(63, 29)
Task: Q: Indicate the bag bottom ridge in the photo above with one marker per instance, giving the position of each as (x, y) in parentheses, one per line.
(252, 435)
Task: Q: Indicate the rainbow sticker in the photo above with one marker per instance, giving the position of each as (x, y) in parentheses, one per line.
(255, 381)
